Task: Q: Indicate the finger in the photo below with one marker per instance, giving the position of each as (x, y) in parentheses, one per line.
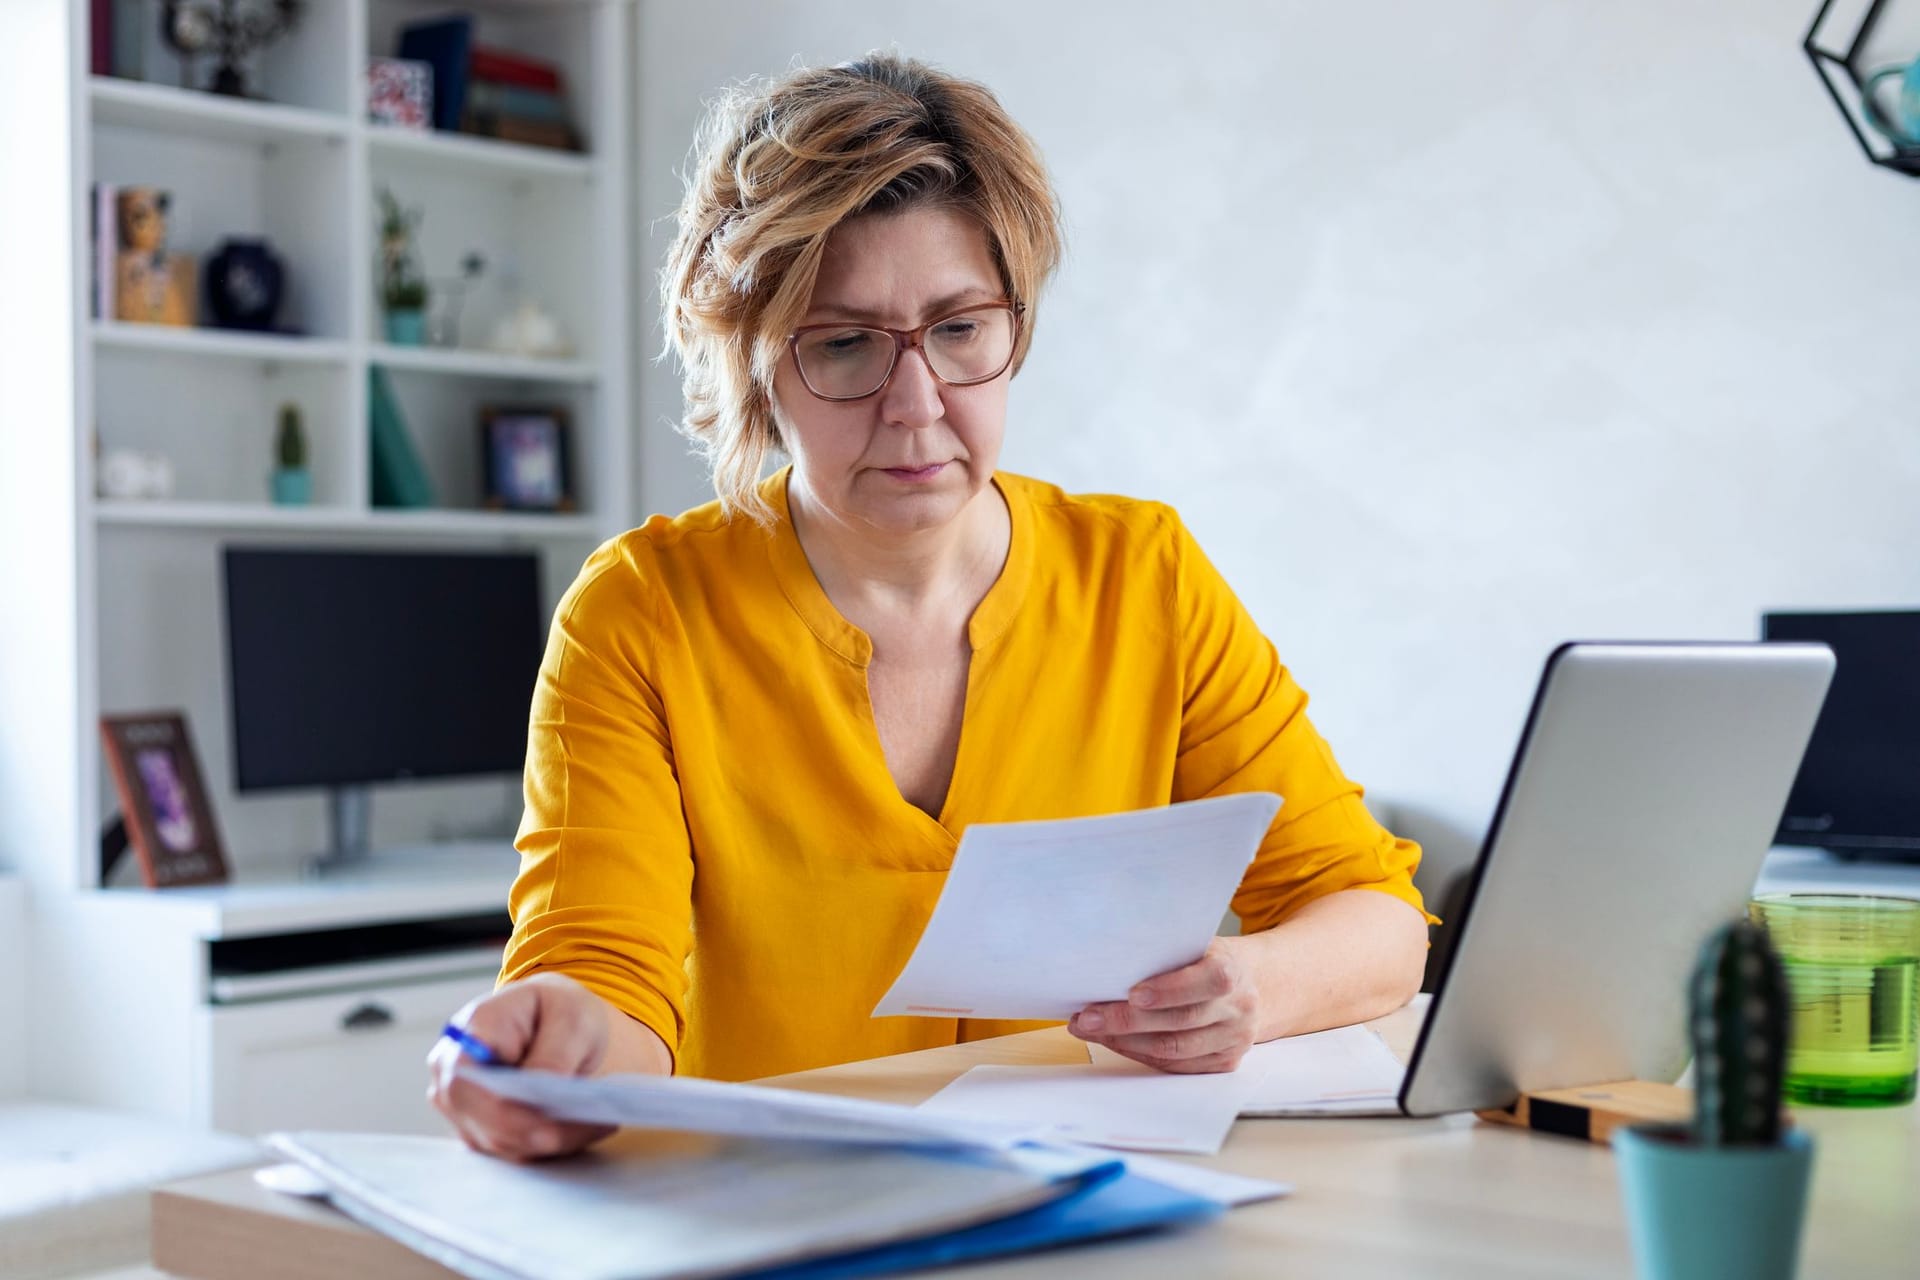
(570, 1029)
(1119, 1018)
(1206, 1065)
(1207, 978)
(1175, 1046)
(501, 1122)
(505, 1020)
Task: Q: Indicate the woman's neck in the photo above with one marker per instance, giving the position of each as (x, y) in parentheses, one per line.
(872, 576)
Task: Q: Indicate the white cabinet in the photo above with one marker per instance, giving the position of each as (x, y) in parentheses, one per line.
(274, 1004)
(352, 1060)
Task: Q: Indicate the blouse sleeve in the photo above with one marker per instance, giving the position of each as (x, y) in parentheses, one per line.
(605, 889)
(1244, 727)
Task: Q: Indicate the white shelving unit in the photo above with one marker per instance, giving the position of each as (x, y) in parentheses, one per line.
(118, 965)
(303, 171)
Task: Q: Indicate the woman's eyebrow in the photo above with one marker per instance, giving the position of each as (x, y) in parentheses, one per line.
(938, 307)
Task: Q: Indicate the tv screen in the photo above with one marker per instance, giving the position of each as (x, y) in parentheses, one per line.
(1857, 787)
(350, 667)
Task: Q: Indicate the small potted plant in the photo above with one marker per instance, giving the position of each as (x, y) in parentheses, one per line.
(292, 482)
(1724, 1197)
(403, 289)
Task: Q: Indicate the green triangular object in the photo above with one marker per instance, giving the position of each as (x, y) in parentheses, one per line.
(398, 478)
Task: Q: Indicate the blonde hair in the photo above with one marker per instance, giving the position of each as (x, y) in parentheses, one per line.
(776, 167)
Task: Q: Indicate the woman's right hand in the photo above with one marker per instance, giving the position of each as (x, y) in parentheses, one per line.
(548, 1022)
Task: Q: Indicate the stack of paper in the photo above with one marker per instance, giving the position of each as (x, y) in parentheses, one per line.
(756, 1178)
(1115, 1102)
(1345, 1071)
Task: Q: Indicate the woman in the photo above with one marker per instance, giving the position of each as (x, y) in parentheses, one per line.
(761, 727)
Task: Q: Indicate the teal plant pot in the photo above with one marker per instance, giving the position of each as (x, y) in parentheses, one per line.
(292, 487)
(407, 328)
(1696, 1212)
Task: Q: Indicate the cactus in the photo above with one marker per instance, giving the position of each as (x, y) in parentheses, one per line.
(1740, 1013)
(290, 446)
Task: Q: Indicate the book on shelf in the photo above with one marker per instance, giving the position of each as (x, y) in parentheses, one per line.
(104, 240)
(488, 91)
(504, 67)
(443, 44)
(398, 478)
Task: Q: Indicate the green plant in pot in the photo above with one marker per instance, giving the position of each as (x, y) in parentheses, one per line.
(1724, 1197)
(403, 287)
(292, 481)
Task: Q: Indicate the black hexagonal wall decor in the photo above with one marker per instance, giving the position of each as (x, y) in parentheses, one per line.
(1837, 45)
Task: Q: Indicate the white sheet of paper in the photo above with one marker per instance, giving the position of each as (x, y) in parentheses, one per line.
(1038, 919)
(1344, 1071)
(738, 1110)
(1217, 1185)
(1118, 1103)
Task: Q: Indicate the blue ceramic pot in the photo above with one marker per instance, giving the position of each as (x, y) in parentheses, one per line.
(245, 282)
(1696, 1212)
(292, 486)
(407, 328)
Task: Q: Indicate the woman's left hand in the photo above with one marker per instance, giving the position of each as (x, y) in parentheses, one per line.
(1200, 1018)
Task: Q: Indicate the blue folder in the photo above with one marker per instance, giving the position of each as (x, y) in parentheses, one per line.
(1121, 1203)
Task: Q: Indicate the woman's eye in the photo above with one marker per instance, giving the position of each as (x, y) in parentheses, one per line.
(846, 344)
(956, 331)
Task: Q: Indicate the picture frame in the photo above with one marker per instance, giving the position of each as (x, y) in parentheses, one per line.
(163, 799)
(526, 458)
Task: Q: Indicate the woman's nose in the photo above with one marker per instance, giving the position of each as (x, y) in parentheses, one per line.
(912, 394)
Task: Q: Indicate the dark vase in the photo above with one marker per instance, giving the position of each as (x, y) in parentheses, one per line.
(245, 282)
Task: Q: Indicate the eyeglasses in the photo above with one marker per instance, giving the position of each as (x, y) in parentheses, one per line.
(852, 362)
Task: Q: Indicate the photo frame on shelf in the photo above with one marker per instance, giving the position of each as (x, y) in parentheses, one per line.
(526, 458)
(163, 799)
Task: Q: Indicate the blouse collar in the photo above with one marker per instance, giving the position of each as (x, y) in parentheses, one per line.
(991, 617)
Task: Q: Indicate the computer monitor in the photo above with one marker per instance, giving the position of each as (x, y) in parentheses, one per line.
(1858, 790)
(354, 667)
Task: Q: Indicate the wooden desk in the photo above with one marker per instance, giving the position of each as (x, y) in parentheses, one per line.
(1375, 1197)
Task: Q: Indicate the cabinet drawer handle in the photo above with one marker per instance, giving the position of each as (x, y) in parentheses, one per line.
(368, 1017)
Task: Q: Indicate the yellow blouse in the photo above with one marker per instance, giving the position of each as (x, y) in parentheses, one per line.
(712, 840)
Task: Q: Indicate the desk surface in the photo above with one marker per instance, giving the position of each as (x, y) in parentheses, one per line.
(1374, 1197)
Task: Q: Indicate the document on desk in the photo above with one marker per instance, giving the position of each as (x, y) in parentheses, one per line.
(1342, 1072)
(1114, 1103)
(1038, 919)
(667, 1205)
(739, 1110)
(1347, 1071)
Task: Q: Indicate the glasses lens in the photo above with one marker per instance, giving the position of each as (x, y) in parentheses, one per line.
(844, 362)
(972, 346)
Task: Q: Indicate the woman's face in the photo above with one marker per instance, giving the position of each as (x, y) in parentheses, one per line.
(915, 453)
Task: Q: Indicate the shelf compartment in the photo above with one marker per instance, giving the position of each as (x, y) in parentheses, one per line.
(427, 521)
(158, 108)
(218, 343)
(483, 364)
(468, 154)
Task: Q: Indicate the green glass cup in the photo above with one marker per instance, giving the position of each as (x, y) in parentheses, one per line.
(1851, 961)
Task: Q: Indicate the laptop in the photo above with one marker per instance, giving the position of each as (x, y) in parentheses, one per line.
(1641, 801)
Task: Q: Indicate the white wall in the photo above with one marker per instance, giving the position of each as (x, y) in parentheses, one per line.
(40, 618)
(1454, 331)
(14, 1036)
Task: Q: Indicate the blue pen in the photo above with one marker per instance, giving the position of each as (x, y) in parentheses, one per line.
(471, 1045)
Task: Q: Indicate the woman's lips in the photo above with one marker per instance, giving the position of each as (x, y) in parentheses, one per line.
(916, 474)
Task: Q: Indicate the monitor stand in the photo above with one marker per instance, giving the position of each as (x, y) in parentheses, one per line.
(349, 831)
